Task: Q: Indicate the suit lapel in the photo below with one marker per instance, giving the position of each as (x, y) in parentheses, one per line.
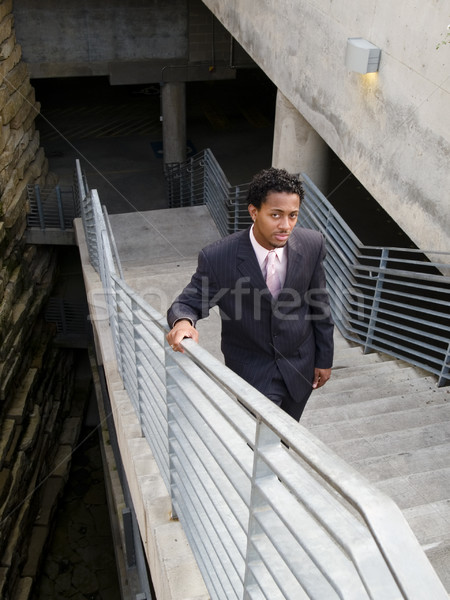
(295, 265)
(247, 263)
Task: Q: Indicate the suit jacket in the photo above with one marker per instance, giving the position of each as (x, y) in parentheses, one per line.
(259, 333)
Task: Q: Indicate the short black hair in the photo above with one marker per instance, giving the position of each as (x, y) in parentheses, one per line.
(273, 180)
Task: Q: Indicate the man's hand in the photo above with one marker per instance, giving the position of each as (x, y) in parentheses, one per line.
(321, 376)
(182, 329)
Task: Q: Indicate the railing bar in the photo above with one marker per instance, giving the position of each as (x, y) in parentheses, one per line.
(154, 413)
(226, 406)
(235, 482)
(152, 398)
(393, 292)
(393, 348)
(385, 300)
(159, 450)
(60, 207)
(217, 504)
(409, 250)
(145, 369)
(400, 322)
(234, 448)
(401, 273)
(209, 570)
(184, 484)
(419, 332)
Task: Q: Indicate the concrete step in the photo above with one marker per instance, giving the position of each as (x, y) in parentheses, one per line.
(377, 406)
(362, 369)
(377, 384)
(417, 489)
(438, 554)
(373, 425)
(390, 443)
(419, 460)
(348, 356)
(433, 514)
(431, 525)
(340, 342)
(355, 389)
(392, 424)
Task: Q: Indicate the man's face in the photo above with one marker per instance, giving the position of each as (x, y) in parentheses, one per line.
(275, 220)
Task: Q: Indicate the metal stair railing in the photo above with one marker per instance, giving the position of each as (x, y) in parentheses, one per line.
(200, 180)
(393, 300)
(269, 511)
(69, 318)
(51, 208)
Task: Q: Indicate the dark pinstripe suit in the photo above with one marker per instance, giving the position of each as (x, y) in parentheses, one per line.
(259, 334)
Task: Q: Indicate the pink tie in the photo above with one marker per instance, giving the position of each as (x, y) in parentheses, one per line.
(272, 278)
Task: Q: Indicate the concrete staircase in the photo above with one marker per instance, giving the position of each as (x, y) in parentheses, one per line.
(387, 419)
(392, 424)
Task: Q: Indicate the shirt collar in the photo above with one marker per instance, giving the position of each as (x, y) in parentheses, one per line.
(261, 252)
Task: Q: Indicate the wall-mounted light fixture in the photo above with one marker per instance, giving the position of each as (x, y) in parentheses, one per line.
(362, 56)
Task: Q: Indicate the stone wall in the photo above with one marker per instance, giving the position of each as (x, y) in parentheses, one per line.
(39, 419)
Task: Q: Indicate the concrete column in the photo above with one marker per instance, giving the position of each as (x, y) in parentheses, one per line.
(297, 147)
(173, 100)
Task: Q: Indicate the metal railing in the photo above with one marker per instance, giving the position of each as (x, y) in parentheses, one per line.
(268, 510)
(69, 318)
(201, 180)
(390, 299)
(394, 300)
(55, 207)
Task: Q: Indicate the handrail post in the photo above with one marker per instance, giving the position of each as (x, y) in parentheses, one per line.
(62, 315)
(236, 209)
(169, 364)
(192, 186)
(181, 182)
(444, 377)
(205, 170)
(137, 383)
(40, 208)
(265, 437)
(60, 207)
(376, 301)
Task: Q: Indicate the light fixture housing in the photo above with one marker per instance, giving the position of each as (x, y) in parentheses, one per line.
(362, 56)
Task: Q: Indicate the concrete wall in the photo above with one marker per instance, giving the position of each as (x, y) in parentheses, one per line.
(392, 128)
(132, 42)
(81, 38)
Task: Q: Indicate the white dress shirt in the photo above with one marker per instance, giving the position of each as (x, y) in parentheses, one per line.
(261, 256)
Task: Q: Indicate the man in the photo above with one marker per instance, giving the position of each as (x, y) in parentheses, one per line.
(278, 337)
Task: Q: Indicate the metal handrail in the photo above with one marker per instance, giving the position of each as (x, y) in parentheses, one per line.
(402, 297)
(51, 208)
(268, 509)
(376, 293)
